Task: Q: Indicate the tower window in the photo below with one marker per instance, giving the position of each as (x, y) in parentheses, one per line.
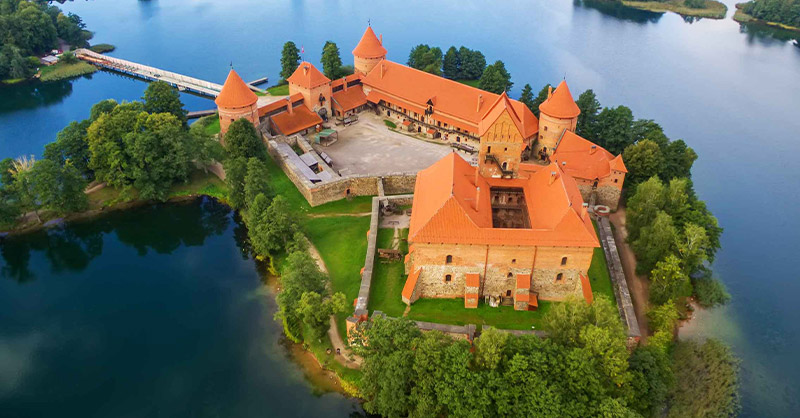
(510, 275)
(448, 259)
(513, 261)
(448, 277)
(545, 127)
(559, 277)
(563, 261)
(489, 149)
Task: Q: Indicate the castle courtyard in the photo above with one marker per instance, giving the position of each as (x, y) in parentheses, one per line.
(369, 147)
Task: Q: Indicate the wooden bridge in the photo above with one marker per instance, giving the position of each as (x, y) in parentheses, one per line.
(180, 81)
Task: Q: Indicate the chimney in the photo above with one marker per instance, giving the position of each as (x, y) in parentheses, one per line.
(480, 100)
(345, 83)
(477, 172)
(549, 91)
(593, 149)
(553, 177)
(305, 70)
(477, 198)
(563, 164)
(290, 107)
(584, 210)
(383, 69)
(381, 39)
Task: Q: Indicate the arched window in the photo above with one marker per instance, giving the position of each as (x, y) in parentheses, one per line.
(448, 259)
(448, 277)
(505, 166)
(563, 261)
(559, 277)
(510, 275)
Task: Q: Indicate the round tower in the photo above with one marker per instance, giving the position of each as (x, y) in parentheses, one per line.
(236, 101)
(556, 114)
(369, 52)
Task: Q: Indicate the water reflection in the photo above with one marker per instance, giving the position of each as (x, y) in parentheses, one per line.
(620, 11)
(33, 94)
(765, 35)
(73, 247)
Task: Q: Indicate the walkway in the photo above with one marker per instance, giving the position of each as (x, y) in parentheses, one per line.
(638, 285)
(182, 82)
(615, 270)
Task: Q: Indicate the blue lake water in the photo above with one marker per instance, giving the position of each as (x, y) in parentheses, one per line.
(731, 92)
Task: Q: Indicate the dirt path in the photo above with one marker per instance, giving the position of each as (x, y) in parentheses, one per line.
(342, 352)
(637, 285)
(338, 215)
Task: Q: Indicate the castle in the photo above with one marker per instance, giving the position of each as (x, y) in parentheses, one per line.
(513, 229)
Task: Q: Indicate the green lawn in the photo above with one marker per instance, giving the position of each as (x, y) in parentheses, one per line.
(452, 311)
(598, 274)
(209, 124)
(63, 71)
(279, 90)
(388, 278)
(473, 83)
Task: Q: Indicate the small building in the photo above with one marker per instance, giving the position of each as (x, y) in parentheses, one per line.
(48, 60)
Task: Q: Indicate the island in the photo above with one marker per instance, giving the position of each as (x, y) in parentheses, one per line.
(688, 8)
(784, 14)
(445, 250)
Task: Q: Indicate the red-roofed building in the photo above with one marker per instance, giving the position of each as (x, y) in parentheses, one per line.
(236, 101)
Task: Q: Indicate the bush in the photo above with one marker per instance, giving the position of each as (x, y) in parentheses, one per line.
(710, 292)
(68, 58)
(390, 123)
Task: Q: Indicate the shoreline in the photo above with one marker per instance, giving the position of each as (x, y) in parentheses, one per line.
(742, 17)
(713, 10)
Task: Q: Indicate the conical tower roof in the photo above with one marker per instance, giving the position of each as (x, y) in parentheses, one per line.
(308, 76)
(560, 104)
(235, 93)
(369, 46)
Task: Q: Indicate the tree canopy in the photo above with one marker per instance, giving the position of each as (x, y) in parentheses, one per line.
(160, 97)
(290, 59)
(496, 78)
(331, 61)
(780, 11)
(425, 58)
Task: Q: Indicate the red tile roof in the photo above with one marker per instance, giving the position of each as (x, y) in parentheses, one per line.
(455, 103)
(369, 46)
(444, 208)
(349, 99)
(560, 104)
(524, 281)
(586, 286)
(584, 159)
(300, 119)
(235, 93)
(278, 104)
(339, 81)
(308, 76)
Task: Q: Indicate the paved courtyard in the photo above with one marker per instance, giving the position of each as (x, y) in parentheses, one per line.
(369, 147)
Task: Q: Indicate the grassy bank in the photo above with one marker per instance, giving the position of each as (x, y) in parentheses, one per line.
(712, 10)
(473, 83)
(209, 124)
(279, 90)
(63, 71)
(742, 17)
(102, 48)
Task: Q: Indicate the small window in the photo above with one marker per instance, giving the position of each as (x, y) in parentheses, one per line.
(505, 166)
(448, 277)
(510, 275)
(563, 261)
(489, 149)
(615, 180)
(508, 293)
(559, 277)
(513, 261)
(505, 149)
(448, 259)
(545, 128)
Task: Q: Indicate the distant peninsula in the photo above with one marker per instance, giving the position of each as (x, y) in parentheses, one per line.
(784, 14)
(694, 8)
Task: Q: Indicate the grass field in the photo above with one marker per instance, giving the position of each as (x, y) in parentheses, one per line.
(279, 90)
(713, 9)
(63, 71)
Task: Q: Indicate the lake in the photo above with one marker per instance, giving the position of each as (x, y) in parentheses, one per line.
(731, 92)
(155, 311)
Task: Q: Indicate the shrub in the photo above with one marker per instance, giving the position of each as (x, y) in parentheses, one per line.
(102, 48)
(710, 292)
(390, 124)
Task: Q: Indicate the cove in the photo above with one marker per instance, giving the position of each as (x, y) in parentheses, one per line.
(154, 311)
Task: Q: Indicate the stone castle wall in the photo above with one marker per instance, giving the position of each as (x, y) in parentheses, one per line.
(606, 195)
(498, 267)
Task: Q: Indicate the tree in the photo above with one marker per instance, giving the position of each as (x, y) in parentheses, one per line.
(473, 63)
(425, 58)
(708, 369)
(416, 58)
(158, 155)
(643, 160)
(652, 379)
(71, 145)
(668, 281)
(242, 140)
(655, 241)
(587, 120)
(101, 107)
(235, 173)
(663, 317)
(160, 97)
(709, 291)
(300, 275)
(565, 321)
(495, 78)
(540, 98)
(527, 97)
(692, 247)
(614, 128)
(271, 225)
(68, 58)
(649, 198)
(451, 65)
(23, 187)
(678, 160)
(290, 60)
(256, 181)
(6, 172)
(58, 188)
(71, 29)
(108, 158)
(331, 61)
(316, 311)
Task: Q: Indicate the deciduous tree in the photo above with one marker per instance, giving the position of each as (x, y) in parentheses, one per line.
(160, 97)
(495, 78)
(242, 140)
(656, 241)
(668, 281)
